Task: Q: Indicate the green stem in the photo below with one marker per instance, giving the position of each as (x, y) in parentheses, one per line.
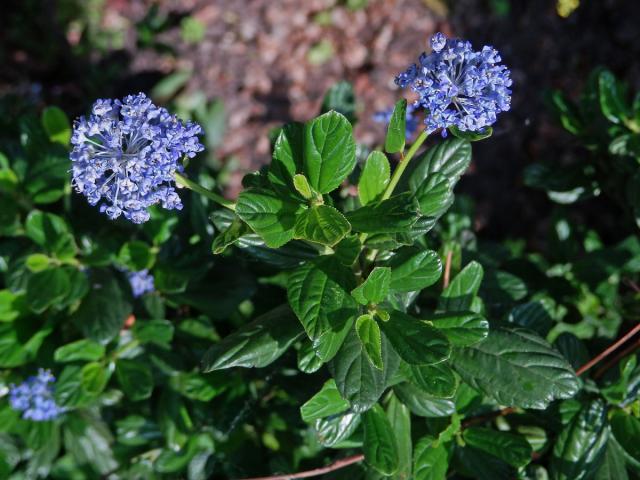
(404, 161)
(219, 199)
(397, 174)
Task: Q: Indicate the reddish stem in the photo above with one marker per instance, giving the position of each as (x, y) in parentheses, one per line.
(605, 353)
(344, 462)
(447, 269)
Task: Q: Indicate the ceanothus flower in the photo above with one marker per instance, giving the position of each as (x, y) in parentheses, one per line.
(141, 282)
(34, 397)
(125, 155)
(458, 86)
(384, 116)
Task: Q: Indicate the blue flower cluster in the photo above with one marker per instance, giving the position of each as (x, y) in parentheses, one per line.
(384, 117)
(459, 86)
(141, 282)
(125, 155)
(34, 397)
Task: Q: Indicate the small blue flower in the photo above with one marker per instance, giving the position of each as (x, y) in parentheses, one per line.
(459, 86)
(125, 155)
(141, 282)
(34, 397)
(384, 117)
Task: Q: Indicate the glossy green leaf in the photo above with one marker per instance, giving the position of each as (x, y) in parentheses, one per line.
(449, 158)
(369, 334)
(47, 288)
(358, 381)
(341, 98)
(88, 440)
(512, 448)
(318, 293)
(288, 153)
(329, 151)
(417, 342)
(423, 404)
(37, 262)
(229, 236)
(135, 379)
(413, 270)
(394, 141)
(437, 380)
(50, 232)
(471, 136)
(301, 184)
(325, 403)
(460, 293)
(430, 462)
(256, 344)
(461, 328)
(104, 309)
(396, 214)
(321, 224)
(94, 378)
(156, 331)
(380, 448)
(337, 428)
(580, 447)
(626, 430)
(536, 316)
(308, 361)
(271, 216)
(375, 288)
(613, 464)
(400, 418)
(611, 98)
(374, 178)
(434, 195)
(84, 349)
(56, 124)
(516, 368)
(348, 250)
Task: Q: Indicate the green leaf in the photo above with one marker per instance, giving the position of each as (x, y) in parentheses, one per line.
(51, 233)
(396, 214)
(301, 185)
(423, 404)
(288, 153)
(325, 403)
(380, 448)
(613, 465)
(369, 334)
(136, 256)
(47, 288)
(104, 309)
(18, 342)
(94, 378)
(318, 293)
(229, 236)
(430, 462)
(84, 349)
(536, 315)
(461, 328)
(341, 98)
(348, 250)
(198, 387)
(135, 379)
(436, 380)
(449, 158)
(321, 224)
(375, 288)
(434, 195)
(417, 342)
(460, 293)
(269, 215)
(414, 270)
(88, 440)
(512, 448)
(358, 381)
(626, 430)
(611, 98)
(37, 262)
(337, 428)
(12, 306)
(308, 361)
(580, 447)
(56, 124)
(400, 418)
(471, 136)
(329, 151)
(256, 344)
(396, 131)
(516, 368)
(374, 178)
(156, 331)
